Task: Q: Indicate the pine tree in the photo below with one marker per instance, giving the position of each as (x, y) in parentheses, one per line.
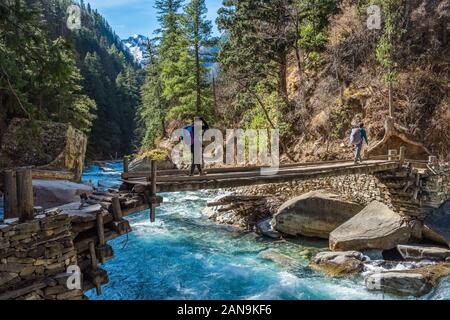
(198, 32)
(151, 114)
(39, 78)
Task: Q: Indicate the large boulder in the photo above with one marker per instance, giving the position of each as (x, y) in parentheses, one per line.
(415, 282)
(423, 252)
(314, 214)
(44, 144)
(437, 225)
(50, 194)
(375, 227)
(339, 263)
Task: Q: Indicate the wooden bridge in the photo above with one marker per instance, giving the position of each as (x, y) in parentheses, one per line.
(222, 178)
(150, 183)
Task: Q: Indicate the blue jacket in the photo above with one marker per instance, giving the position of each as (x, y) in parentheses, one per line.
(364, 135)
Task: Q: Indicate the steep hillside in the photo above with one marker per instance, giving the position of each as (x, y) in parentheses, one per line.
(83, 75)
(350, 87)
(315, 71)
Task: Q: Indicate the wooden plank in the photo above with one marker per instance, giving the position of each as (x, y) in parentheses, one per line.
(162, 173)
(117, 209)
(258, 180)
(53, 175)
(281, 172)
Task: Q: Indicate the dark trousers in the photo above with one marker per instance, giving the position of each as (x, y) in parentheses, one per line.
(193, 166)
(358, 150)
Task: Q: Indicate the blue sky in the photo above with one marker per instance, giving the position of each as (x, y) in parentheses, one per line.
(129, 17)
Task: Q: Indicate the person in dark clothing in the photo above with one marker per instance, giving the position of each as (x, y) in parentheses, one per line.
(197, 140)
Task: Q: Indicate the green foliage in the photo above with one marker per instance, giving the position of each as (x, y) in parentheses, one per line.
(39, 78)
(48, 72)
(177, 85)
(392, 31)
(151, 113)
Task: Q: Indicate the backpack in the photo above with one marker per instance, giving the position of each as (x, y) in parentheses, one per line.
(190, 129)
(356, 136)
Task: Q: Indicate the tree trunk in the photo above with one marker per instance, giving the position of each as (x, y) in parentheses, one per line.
(282, 76)
(298, 56)
(391, 100)
(214, 93)
(198, 80)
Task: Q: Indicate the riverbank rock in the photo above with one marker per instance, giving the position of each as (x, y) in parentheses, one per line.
(399, 283)
(314, 214)
(50, 194)
(143, 162)
(415, 282)
(423, 252)
(243, 212)
(437, 225)
(375, 227)
(264, 227)
(45, 144)
(339, 263)
(277, 257)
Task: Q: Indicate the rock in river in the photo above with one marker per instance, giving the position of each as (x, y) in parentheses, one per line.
(414, 282)
(339, 263)
(265, 228)
(50, 194)
(277, 257)
(423, 252)
(399, 283)
(375, 227)
(314, 214)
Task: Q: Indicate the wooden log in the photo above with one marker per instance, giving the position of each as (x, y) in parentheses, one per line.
(93, 255)
(10, 202)
(116, 208)
(125, 165)
(402, 155)
(100, 229)
(25, 197)
(153, 191)
(94, 270)
(53, 175)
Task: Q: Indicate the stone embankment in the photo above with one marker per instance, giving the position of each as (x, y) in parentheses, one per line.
(42, 258)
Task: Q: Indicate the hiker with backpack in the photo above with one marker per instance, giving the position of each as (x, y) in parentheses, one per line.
(357, 138)
(197, 143)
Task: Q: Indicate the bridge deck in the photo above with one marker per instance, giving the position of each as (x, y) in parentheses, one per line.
(177, 180)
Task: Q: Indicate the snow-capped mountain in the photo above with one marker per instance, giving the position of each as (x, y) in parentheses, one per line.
(137, 45)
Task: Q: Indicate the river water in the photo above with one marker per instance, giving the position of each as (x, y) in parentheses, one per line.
(185, 256)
